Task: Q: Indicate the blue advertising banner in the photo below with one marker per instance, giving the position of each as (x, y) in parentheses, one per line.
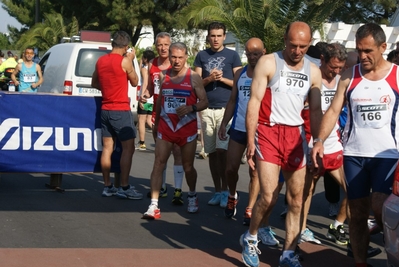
(51, 133)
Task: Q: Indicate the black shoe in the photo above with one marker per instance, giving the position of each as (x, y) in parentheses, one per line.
(371, 252)
(178, 197)
(337, 235)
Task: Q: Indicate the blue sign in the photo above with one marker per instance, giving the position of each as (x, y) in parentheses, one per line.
(51, 133)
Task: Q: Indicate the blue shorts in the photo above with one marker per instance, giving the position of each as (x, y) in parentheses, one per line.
(238, 136)
(119, 124)
(365, 174)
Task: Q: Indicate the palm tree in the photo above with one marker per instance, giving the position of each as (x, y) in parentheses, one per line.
(45, 35)
(265, 19)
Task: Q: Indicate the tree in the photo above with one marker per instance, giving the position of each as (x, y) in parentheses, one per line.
(378, 11)
(45, 35)
(265, 19)
(4, 41)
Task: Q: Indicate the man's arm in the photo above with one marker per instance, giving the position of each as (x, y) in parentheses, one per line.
(264, 69)
(149, 89)
(127, 65)
(199, 91)
(40, 74)
(94, 80)
(331, 116)
(228, 81)
(230, 107)
(15, 73)
(314, 99)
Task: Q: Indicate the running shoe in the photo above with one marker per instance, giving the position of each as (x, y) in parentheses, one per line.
(373, 227)
(291, 261)
(152, 213)
(129, 193)
(247, 216)
(333, 209)
(337, 235)
(308, 236)
(250, 252)
(223, 199)
(371, 252)
(215, 200)
(109, 191)
(230, 209)
(142, 147)
(266, 236)
(192, 204)
(178, 197)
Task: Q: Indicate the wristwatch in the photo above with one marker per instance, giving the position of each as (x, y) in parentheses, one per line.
(194, 108)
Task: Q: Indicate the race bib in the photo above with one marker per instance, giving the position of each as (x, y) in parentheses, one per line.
(245, 91)
(172, 103)
(293, 83)
(29, 77)
(372, 115)
(326, 99)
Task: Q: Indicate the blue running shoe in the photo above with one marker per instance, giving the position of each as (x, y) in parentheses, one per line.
(250, 252)
(291, 261)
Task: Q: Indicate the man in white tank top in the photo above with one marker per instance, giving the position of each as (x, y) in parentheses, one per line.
(281, 83)
(370, 152)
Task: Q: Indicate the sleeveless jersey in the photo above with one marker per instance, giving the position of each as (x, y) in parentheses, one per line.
(285, 94)
(173, 96)
(114, 83)
(332, 144)
(155, 76)
(243, 94)
(371, 129)
(27, 76)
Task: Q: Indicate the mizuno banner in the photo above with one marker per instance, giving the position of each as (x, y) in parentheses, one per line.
(51, 133)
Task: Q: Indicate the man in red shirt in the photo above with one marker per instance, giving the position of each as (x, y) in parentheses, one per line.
(111, 76)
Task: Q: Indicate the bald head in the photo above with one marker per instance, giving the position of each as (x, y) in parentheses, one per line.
(297, 41)
(254, 49)
(298, 26)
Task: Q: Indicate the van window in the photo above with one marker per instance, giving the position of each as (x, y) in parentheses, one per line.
(87, 59)
(43, 62)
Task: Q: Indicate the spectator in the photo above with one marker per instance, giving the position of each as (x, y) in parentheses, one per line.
(144, 110)
(216, 65)
(111, 76)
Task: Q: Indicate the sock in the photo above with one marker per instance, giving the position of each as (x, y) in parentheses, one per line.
(141, 142)
(248, 236)
(154, 201)
(235, 195)
(337, 223)
(192, 193)
(286, 253)
(179, 174)
(110, 186)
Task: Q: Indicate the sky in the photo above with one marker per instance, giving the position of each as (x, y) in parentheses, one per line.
(7, 20)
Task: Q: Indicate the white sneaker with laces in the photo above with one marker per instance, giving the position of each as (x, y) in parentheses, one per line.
(192, 204)
(308, 236)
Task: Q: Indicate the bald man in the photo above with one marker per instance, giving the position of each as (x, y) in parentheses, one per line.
(281, 83)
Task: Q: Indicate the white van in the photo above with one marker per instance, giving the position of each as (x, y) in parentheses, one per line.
(67, 69)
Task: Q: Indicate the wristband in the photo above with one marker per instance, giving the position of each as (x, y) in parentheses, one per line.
(318, 140)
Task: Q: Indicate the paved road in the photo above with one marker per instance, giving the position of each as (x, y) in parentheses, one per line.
(42, 227)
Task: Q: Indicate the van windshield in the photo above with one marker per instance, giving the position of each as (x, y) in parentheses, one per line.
(87, 60)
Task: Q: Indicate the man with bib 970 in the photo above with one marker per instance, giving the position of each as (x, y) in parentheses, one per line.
(281, 83)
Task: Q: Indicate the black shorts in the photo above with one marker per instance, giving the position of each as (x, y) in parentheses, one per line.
(119, 124)
(141, 111)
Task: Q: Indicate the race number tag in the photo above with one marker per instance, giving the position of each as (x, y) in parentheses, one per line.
(293, 83)
(372, 115)
(172, 103)
(245, 91)
(326, 99)
(29, 77)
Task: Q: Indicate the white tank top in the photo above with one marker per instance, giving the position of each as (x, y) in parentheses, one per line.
(285, 94)
(243, 94)
(333, 143)
(372, 125)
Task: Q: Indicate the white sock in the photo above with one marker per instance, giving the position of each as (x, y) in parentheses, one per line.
(154, 201)
(192, 193)
(286, 253)
(248, 236)
(337, 223)
(179, 174)
(235, 195)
